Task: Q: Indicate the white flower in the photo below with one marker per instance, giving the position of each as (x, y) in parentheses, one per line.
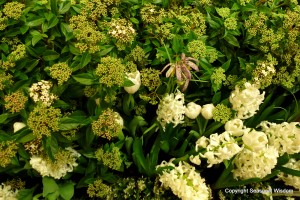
(207, 111)
(255, 140)
(184, 181)
(236, 127)
(57, 170)
(6, 193)
(40, 91)
(18, 126)
(171, 109)
(247, 101)
(195, 159)
(118, 119)
(285, 137)
(221, 147)
(202, 143)
(135, 78)
(192, 110)
(290, 179)
(255, 164)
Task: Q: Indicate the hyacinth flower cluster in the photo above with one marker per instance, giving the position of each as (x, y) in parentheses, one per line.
(98, 96)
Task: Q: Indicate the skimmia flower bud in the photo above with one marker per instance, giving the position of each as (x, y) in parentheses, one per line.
(192, 110)
(135, 78)
(207, 111)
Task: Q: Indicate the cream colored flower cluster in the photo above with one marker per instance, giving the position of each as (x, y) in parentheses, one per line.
(6, 193)
(246, 102)
(171, 109)
(290, 179)
(285, 137)
(40, 91)
(58, 168)
(184, 181)
(255, 164)
(218, 147)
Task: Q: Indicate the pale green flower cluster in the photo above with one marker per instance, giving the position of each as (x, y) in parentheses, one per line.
(15, 102)
(111, 159)
(8, 150)
(61, 72)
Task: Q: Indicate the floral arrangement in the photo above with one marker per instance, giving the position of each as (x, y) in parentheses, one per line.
(152, 99)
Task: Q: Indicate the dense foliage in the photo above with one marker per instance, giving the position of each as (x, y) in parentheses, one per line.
(161, 99)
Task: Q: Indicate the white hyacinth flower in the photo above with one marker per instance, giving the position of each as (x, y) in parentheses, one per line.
(192, 110)
(18, 126)
(207, 111)
(255, 140)
(135, 78)
(246, 102)
(6, 192)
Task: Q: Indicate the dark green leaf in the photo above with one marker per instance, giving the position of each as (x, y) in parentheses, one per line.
(85, 59)
(85, 78)
(3, 117)
(134, 20)
(232, 40)
(51, 146)
(36, 22)
(50, 55)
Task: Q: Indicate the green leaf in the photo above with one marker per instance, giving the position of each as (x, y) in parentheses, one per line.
(138, 153)
(290, 171)
(106, 50)
(66, 30)
(25, 194)
(85, 59)
(49, 186)
(226, 65)
(74, 120)
(89, 136)
(134, 20)
(50, 55)
(177, 44)
(128, 83)
(64, 7)
(36, 22)
(165, 146)
(232, 40)
(66, 190)
(242, 63)
(51, 146)
(85, 78)
(3, 117)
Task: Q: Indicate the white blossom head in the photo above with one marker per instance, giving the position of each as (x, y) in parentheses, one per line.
(207, 111)
(288, 179)
(184, 181)
(236, 127)
(246, 102)
(135, 78)
(6, 192)
(254, 164)
(255, 140)
(171, 109)
(192, 110)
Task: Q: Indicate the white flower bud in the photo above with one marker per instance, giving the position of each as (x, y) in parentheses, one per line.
(135, 78)
(18, 126)
(235, 126)
(207, 111)
(119, 119)
(192, 110)
(255, 140)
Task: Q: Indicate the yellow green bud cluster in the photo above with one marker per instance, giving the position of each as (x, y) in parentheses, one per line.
(15, 184)
(204, 2)
(3, 21)
(70, 134)
(197, 49)
(164, 31)
(244, 2)
(140, 110)
(255, 23)
(40, 92)
(218, 76)
(137, 55)
(151, 14)
(111, 71)
(34, 147)
(108, 125)
(230, 23)
(18, 53)
(99, 190)
(150, 78)
(15, 102)
(89, 91)
(112, 159)
(87, 34)
(263, 74)
(5, 80)
(222, 113)
(223, 12)
(8, 150)
(44, 120)
(13, 10)
(130, 67)
(122, 30)
(61, 72)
